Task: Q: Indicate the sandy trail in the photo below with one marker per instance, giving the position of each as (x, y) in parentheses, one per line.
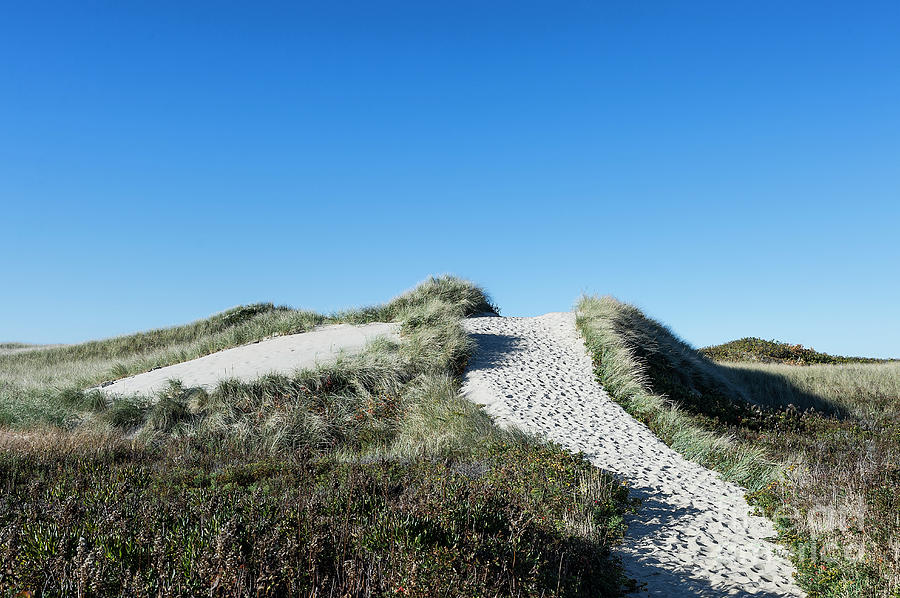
(694, 535)
(282, 355)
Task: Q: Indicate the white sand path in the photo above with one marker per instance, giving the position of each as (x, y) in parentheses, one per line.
(694, 535)
(281, 355)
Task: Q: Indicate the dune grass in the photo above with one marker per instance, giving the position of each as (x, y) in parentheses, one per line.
(867, 391)
(31, 380)
(369, 476)
(91, 363)
(817, 445)
(633, 354)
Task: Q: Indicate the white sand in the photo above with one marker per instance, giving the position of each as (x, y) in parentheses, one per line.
(694, 535)
(281, 355)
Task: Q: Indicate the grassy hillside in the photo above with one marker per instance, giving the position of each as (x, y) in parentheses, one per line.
(94, 362)
(32, 382)
(819, 446)
(368, 477)
(757, 349)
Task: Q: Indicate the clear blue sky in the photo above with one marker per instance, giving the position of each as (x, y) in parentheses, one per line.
(733, 168)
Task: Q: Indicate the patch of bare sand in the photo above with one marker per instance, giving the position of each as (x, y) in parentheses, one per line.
(280, 355)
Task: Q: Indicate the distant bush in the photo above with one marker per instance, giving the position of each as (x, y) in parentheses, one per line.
(757, 349)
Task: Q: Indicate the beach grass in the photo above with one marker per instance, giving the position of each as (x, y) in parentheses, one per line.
(633, 354)
(31, 380)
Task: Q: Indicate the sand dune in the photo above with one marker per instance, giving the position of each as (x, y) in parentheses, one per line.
(694, 535)
(282, 355)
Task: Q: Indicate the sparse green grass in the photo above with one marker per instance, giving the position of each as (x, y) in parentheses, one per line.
(818, 445)
(368, 476)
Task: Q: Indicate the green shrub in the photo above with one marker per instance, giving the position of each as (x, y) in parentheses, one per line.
(757, 349)
(172, 406)
(92, 400)
(126, 413)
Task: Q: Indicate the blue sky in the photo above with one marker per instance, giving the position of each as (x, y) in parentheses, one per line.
(733, 168)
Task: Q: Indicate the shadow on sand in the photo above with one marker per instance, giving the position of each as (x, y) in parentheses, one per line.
(492, 350)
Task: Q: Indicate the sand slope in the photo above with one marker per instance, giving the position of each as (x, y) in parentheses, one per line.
(282, 354)
(694, 535)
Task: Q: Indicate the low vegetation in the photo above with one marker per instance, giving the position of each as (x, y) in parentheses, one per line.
(110, 519)
(818, 445)
(371, 476)
(757, 349)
